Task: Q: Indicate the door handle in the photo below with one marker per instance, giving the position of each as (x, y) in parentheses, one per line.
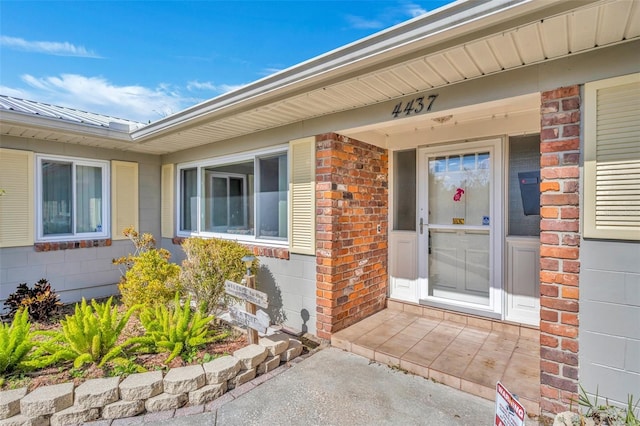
(421, 226)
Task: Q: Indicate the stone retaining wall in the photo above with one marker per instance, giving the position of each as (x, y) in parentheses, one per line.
(113, 397)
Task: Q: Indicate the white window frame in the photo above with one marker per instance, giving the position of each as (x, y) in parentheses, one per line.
(254, 156)
(106, 199)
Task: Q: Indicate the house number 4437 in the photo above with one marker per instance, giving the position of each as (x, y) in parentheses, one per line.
(414, 106)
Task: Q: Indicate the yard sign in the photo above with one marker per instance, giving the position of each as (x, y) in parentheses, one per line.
(509, 412)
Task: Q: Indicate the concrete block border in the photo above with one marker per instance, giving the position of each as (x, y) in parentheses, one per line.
(180, 391)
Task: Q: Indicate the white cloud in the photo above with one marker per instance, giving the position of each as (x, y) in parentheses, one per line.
(388, 17)
(98, 95)
(209, 86)
(414, 10)
(360, 23)
(47, 47)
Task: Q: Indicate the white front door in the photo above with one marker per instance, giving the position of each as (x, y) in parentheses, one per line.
(460, 226)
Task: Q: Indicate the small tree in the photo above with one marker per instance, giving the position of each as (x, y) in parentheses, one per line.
(208, 264)
(149, 277)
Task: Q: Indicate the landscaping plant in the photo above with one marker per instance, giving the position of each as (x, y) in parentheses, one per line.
(606, 414)
(208, 263)
(16, 341)
(150, 278)
(177, 329)
(90, 335)
(41, 301)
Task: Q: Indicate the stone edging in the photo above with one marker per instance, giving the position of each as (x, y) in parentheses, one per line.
(182, 391)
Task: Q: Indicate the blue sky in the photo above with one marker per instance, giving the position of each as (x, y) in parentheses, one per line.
(143, 60)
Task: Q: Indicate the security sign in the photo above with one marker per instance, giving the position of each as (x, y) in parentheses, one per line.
(509, 412)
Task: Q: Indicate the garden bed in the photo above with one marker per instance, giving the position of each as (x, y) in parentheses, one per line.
(64, 373)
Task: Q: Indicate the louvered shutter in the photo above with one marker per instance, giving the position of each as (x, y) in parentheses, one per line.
(124, 197)
(167, 200)
(16, 204)
(302, 180)
(612, 158)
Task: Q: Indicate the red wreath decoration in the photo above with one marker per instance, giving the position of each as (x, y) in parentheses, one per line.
(458, 195)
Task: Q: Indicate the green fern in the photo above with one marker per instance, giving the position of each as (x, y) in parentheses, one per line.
(88, 336)
(177, 329)
(16, 342)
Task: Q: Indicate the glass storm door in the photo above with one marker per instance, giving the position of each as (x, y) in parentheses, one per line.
(458, 226)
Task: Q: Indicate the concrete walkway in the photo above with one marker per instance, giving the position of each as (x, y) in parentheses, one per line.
(334, 387)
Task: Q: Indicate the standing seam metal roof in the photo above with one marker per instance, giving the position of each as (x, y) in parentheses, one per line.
(66, 114)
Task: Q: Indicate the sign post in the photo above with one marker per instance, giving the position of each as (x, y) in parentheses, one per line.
(509, 411)
(252, 297)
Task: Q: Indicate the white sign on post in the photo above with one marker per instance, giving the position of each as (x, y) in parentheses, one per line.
(245, 293)
(260, 321)
(509, 412)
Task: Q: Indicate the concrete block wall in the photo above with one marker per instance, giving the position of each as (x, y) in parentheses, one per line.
(114, 398)
(609, 318)
(73, 273)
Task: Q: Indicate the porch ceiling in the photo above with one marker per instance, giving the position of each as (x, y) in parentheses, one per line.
(575, 31)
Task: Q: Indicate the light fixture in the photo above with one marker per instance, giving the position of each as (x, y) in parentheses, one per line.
(248, 261)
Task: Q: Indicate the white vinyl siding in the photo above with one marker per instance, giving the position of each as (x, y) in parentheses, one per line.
(167, 201)
(612, 159)
(124, 197)
(16, 204)
(302, 180)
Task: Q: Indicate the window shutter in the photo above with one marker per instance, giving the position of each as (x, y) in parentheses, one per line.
(167, 201)
(302, 187)
(612, 158)
(16, 204)
(124, 197)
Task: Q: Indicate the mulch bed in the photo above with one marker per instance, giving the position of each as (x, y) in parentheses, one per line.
(66, 373)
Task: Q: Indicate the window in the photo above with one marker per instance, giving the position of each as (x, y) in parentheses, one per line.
(404, 206)
(612, 159)
(72, 198)
(242, 197)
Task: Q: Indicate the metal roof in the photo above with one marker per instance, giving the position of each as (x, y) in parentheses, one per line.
(67, 114)
(458, 42)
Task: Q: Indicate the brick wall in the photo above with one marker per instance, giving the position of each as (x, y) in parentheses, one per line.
(351, 255)
(560, 248)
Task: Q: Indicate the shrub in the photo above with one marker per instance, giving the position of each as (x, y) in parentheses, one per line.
(208, 263)
(16, 341)
(90, 335)
(177, 328)
(150, 278)
(41, 301)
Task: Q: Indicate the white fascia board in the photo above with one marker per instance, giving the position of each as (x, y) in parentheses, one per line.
(29, 121)
(438, 26)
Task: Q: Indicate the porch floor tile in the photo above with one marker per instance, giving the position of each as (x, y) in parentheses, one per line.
(466, 356)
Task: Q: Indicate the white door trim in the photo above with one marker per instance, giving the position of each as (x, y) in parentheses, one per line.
(495, 147)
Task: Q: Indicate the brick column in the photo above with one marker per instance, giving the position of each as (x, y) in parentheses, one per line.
(560, 248)
(351, 253)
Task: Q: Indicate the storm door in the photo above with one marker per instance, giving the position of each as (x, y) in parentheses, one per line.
(460, 226)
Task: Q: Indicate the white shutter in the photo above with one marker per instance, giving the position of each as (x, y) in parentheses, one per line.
(16, 204)
(302, 189)
(124, 197)
(166, 201)
(612, 158)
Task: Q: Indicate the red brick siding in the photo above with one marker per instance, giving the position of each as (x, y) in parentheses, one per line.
(70, 245)
(560, 248)
(351, 255)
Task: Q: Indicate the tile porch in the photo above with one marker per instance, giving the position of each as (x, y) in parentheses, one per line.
(465, 352)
